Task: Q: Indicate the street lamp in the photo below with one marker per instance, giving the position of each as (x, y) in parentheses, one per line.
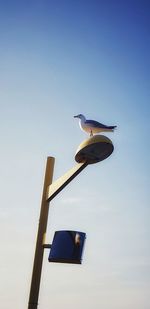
(92, 150)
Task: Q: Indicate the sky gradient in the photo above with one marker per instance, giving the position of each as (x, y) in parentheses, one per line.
(58, 59)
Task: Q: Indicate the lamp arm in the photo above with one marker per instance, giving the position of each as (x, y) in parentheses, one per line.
(64, 180)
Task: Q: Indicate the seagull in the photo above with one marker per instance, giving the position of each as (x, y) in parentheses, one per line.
(92, 126)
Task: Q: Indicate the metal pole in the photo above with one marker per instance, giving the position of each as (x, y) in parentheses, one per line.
(38, 258)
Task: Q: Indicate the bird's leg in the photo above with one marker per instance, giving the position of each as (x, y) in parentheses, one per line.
(91, 133)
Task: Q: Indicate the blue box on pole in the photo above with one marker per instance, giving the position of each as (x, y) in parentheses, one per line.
(67, 247)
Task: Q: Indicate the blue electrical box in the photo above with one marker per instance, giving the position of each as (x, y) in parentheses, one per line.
(67, 247)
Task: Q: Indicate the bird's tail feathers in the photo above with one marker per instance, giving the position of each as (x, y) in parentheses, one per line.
(112, 128)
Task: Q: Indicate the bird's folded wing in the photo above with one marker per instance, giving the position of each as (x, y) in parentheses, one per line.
(95, 124)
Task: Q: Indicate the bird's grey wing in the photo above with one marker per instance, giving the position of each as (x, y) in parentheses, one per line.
(95, 124)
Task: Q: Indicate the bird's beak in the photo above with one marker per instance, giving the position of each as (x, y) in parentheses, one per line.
(76, 116)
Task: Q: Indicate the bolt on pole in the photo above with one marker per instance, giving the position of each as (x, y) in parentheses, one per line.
(39, 251)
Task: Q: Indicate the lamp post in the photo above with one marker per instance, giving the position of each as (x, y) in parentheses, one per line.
(93, 150)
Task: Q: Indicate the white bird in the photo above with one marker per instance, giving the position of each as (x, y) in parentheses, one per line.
(92, 126)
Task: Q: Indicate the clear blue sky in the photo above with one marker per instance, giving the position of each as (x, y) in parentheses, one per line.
(58, 59)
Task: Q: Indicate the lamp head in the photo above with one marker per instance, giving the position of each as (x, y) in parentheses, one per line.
(94, 149)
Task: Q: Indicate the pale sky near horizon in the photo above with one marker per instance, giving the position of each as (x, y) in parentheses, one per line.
(58, 59)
